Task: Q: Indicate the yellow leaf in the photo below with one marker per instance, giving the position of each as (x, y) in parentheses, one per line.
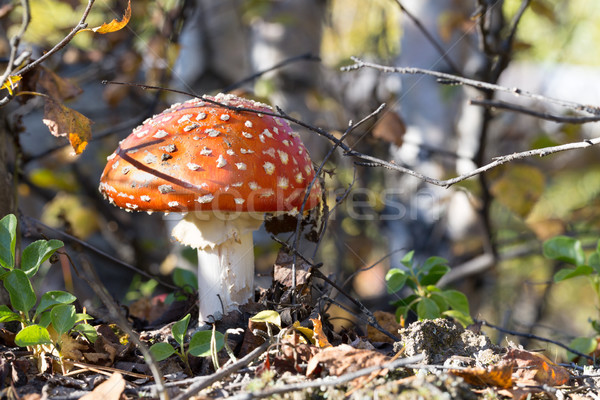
(519, 188)
(11, 83)
(305, 331)
(64, 121)
(270, 316)
(113, 25)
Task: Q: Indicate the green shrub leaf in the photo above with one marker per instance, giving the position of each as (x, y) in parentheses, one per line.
(200, 343)
(179, 329)
(407, 260)
(36, 253)
(566, 249)
(161, 351)
(434, 274)
(22, 297)
(88, 331)
(53, 298)
(433, 262)
(185, 279)
(568, 273)
(396, 279)
(8, 241)
(427, 309)
(32, 335)
(462, 318)
(583, 345)
(457, 300)
(7, 315)
(63, 318)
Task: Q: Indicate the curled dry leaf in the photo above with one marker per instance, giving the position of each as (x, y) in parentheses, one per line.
(319, 336)
(64, 121)
(388, 322)
(282, 273)
(536, 367)
(343, 359)
(113, 25)
(111, 389)
(57, 87)
(498, 375)
(390, 128)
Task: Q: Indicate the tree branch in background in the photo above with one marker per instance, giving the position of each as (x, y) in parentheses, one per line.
(498, 104)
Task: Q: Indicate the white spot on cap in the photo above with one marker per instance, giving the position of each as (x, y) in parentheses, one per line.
(193, 167)
(126, 170)
(115, 165)
(248, 124)
(169, 148)
(237, 184)
(160, 134)
(299, 177)
(185, 118)
(278, 121)
(190, 127)
(269, 168)
(239, 201)
(150, 158)
(173, 203)
(221, 162)
(267, 193)
(308, 169)
(253, 185)
(113, 155)
(261, 137)
(145, 198)
(196, 138)
(132, 206)
(247, 135)
(121, 194)
(205, 151)
(167, 118)
(283, 182)
(295, 135)
(246, 151)
(300, 150)
(283, 156)
(212, 132)
(270, 152)
(276, 130)
(141, 134)
(164, 189)
(268, 133)
(241, 166)
(225, 117)
(207, 198)
(286, 142)
(230, 152)
(200, 116)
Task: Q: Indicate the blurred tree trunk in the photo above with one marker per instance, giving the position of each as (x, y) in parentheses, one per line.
(6, 191)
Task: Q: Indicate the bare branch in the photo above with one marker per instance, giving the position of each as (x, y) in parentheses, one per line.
(459, 80)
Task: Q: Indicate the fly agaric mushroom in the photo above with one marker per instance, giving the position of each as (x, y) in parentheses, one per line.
(224, 168)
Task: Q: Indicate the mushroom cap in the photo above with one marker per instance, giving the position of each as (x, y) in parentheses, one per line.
(198, 156)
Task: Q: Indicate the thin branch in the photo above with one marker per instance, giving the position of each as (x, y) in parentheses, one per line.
(402, 363)
(498, 104)
(459, 80)
(443, 53)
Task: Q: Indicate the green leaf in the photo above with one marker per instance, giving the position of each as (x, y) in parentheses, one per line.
(568, 273)
(583, 345)
(63, 318)
(7, 315)
(434, 275)
(8, 241)
(427, 309)
(88, 331)
(440, 301)
(269, 316)
(200, 343)
(32, 335)
(396, 279)
(407, 260)
(405, 301)
(161, 351)
(432, 262)
(53, 298)
(184, 278)
(45, 319)
(36, 253)
(464, 319)
(566, 249)
(82, 317)
(457, 301)
(179, 329)
(22, 297)
(594, 261)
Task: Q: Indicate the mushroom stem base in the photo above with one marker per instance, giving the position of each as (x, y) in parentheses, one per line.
(225, 277)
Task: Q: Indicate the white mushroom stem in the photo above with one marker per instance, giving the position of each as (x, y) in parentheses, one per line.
(225, 259)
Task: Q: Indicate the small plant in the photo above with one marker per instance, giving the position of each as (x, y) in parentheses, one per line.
(570, 251)
(202, 344)
(427, 300)
(55, 316)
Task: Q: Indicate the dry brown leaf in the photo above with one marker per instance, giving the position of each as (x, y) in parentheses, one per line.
(498, 375)
(111, 389)
(113, 25)
(390, 128)
(318, 335)
(282, 272)
(388, 322)
(536, 367)
(64, 121)
(343, 359)
(57, 87)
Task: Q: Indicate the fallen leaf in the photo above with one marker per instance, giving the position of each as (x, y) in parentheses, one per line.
(536, 367)
(343, 359)
(113, 25)
(390, 128)
(318, 335)
(282, 271)
(111, 389)
(388, 322)
(498, 375)
(64, 121)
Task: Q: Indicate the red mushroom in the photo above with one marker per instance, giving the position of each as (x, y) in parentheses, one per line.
(225, 169)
